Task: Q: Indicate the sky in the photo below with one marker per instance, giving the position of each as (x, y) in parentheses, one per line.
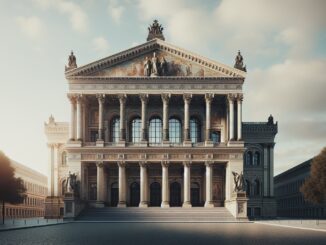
(283, 44)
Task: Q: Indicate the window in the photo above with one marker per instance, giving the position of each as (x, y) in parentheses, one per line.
(249, 158)
(256, 159)
(216, 137)
(136, 130)
(155, 131)
(93, 134)
(175, 130)
(64, 158)
(115, 129)
(194, 130)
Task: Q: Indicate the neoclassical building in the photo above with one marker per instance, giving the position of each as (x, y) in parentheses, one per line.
(157, 125)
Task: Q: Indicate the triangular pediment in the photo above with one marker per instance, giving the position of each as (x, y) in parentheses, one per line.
(177, 62)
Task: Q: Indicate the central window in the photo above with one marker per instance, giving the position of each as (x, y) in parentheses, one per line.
(155, 131)
(115, 130)
(136, 130)
(175, 130)
(194, 130)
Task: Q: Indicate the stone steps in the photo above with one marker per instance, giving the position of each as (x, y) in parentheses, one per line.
(156, 214)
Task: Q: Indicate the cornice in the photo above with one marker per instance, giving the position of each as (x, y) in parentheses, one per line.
(152, 45)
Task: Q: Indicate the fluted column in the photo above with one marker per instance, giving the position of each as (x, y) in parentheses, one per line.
(51, 170)
(209, 175)
(208, 99)
(165, 100)
(72, 130)
(122, 184)
(144, 100)
(186, 185)
(165, 184)
(187, 100)
(239, 99)
(231, 116)
(100, 98)
(122, 100)
(79, 99)
(143, 185)
(100, 184)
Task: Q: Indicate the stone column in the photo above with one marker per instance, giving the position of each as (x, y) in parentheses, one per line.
(100, 98)
(271, 170)
(122, 184)
(208, 99)
(51, 170)
(144, 100)
(231, 116)
(122, 100)
(165, 184)
(266, 177)
(239, 99)
(100, 184)
(165, 100)
(209, 175)
(186, 136)
(79, 99)
(143, 185)
(55, 173)
(72, 99)
(186, 185)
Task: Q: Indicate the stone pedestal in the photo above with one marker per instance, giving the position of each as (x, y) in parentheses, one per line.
(100, 143)
(72, 206)
(53, 208)
(238, 205)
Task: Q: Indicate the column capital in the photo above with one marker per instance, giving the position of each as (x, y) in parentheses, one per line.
(187, 163)
(165, 97)
(240, 97)
(231, 97)
(72, 98)
(100, 164)
(143, 164)
(187, 98)
(100, 98)
(121, 164)
(209, 97)
(143, 98)
(165, 163)
(79, 98)
(122, 98)
(209, 163)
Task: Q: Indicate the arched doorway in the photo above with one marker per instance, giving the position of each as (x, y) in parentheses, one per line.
(114, 194)
(134, 194)
(175, 194)
(195, 194)
(155, 194)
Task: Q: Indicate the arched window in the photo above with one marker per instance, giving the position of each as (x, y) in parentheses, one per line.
(256, 159)
(216, 137)
(175, 130)
(115, 129)
(136, 130)
(194, 130)
(257, 188)
(64, 158)
(63, 187)
(248, 188)
(155, 131)
(249, 158)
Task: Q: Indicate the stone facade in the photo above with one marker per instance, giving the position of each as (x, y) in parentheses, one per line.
(164, 136)
(36, 191)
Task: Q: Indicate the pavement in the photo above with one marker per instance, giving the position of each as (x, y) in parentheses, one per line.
(14, 224)
(162, 233)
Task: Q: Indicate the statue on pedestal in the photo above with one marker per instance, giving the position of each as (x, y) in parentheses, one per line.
(155, 31)
(239, 62)
(72, 62)
(72, 184)
(238, 181)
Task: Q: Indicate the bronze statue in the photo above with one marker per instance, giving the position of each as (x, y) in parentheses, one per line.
(71, 183)
(239, 62)
(238, 181)
(72, 62)
(155, 31)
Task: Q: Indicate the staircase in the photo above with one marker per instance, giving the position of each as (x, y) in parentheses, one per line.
(156, 214)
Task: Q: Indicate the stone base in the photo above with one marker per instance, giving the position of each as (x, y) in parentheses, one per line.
(121, 143)
(52, 206)
(72, 206)
(143, 205)
(237, 205)
(209, 143)
(235, 143)
(143, 143)
(186, 205)
(165, 205)
(209, 205)
(99, 205)
(187, 143)
(74, 143)
(122, 205)
(166, 143)
(100, 143)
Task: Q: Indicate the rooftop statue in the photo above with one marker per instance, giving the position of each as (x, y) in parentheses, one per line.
(72, 63)
(155, 31)
(239, 62)
(270, 120)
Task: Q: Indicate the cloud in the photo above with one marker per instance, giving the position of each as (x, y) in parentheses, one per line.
(77, 16)
(100, 44)
(115, 10)
(31, 26)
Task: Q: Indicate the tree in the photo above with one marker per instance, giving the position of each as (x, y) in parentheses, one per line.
(314, 187)
(12, 189)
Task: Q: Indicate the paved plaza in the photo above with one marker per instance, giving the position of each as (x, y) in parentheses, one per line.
(162, 233)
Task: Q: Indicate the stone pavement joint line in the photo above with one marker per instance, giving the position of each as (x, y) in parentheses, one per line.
(293, 227)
